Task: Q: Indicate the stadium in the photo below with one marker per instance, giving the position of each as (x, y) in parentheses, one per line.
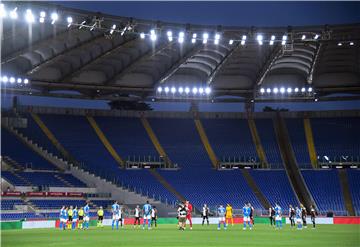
(129, 131)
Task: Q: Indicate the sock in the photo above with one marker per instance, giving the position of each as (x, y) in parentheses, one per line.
(250, 225)
(144, 223)
(60, 225)
(244, 224)
(112, 224)
(149, 223)
(117, 225)
(224, 224)
(280, 221)
(219, 225)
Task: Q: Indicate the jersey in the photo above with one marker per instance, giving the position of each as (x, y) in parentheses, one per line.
(205, 211)
(298, 213)
(189, 209)
(246, 211)
(63, 214)
(221, 211)
(229, 212)
(137, 212)
(75, 214)
(291, 212)
(100, 212)
(81, 212)
(278, 211)
(70, 212)
(115, 209)
(153, 213)
(87, 211)
(147, 209)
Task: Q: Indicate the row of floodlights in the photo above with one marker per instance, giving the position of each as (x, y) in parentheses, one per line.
(283, 90)
(184, 90)
(12, 80)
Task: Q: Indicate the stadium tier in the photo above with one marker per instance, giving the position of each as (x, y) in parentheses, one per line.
(325, 188)
(298, 141)
(21, 153)
(56, 204)
(354, 186)
(267, 135)
(10, 204)
(230, 139)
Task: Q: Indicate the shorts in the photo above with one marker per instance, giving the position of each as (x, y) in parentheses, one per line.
(153, 218)
(188, 217)
(63, 220)
(277, 217)
(229, 217)
(221, 218)
(116, 217)
(246, 218)
(86, 218)
(70, 218)
(81, 217)
(74, 220)
(298, 220)
(100, 217)
(182, 219)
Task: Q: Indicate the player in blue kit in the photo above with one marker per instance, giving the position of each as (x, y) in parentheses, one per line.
(74, 218)
(278, 216)
(86, 216)
(246, 213)
(298, 218)
(63, 218)
(221, 212)
(147, 214)
(115, 208)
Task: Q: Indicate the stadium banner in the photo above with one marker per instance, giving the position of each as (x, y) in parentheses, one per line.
(35, 193)
(319, 220)
(14, 193)
(59, 194)
(38, 224)
(10, 225)
(75, 194)
(346, 220)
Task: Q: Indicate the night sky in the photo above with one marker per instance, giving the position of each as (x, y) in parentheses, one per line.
(218, 13)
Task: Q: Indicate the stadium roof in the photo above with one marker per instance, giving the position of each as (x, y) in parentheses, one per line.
(99, 56)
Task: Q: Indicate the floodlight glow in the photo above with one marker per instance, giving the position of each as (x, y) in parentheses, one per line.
(187, 90)
(259, 39)
(268, 90)
(5, 79)
(272, 40)
(152, 31)
(29, 17)
(26, 81)
(169, 33)
(339, 44)
(272, 37)
(13, 14)
(284, 38)
(316, 36)
(181, 40)
(204, 41)
(231, 42)
(19, 80)
(303, 90)
(173, 90)
(167, 89)
(201, 90)
(217, 36)
(289, 90)
(70, 20)
(262, 90)
(243, 37)
(54, 17)
(242, 42)
(303, 37)
(41, 20)
(3, 13)
(182, 34)
(142, 35)
(193, 41)
(12, 79)
(159, 89)
(205, 36)
(351, 43)
(216, 41)
(113, 27)
(181, 90)
(43, 14)
(282, 90)
(194, 35)
(170, 38)
(194, 90)
(153, 37)
(207, 90)
(275, 90)
(310, 89)
(296, 90)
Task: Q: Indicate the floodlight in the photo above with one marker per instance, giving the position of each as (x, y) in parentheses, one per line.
(289, 90)
(268, 90)
(43, 14)
(216, 41)
(207, 90)
(259, 39)
(204, 41)
(272, 39)
(153, 37)
(194, 35)
(231, 42)
(173, 90)
(167, 89)
(5, 79)
(201, 90)
(70, 20)
(339, 44)
(303, 90)
(12, 80)
(169, 33)
(142, 35)
(284, 38)
(351, 43)
(181, 90)
(310, 89)
(193, 41)
(19, 80)
(54, 17)
(296, 90)
(217, 36)
(181, 34)
(303, 37)
(194, 90)
(282, 90)
(205, 36)
(29, 17)
(13, 14)
(275, 90)
(187, 90)
(316, 36)
(181, 40)
(3, 13)
(159, 89)
(262, 90)
(26, 81)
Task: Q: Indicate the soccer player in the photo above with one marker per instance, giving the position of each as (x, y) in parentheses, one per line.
(229, 215)
(189, 209)
(137, 216)
(75, 217)
(115, 208)
(154, 216)
(252, 210)
(313, 215)
(221, 213)
(100, 214)
(205, 214)
(182, 212)
(291, 216)
(278, 213)
(62, 218)
(81, 218)
(86, 216)
(298, 218)
(246, 213)
(147, 214)
(303, 214)
(121, 216)
(272, 216)
(70, 217)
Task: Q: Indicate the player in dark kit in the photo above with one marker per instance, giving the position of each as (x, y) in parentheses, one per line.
(252, 214)
(303, 215)
(205, 214)
(292, 215)
(272, 216)
(313, 215)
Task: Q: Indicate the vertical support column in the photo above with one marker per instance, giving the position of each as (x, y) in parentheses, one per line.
(256, 139)
(310, 142)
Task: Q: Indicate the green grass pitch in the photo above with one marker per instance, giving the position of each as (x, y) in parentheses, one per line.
(168, 235)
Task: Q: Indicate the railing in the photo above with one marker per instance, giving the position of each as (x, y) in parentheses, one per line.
(339, 162)
(239, 163)
(139, 162)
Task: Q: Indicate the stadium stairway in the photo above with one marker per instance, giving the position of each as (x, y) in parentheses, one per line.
(252, 184)
(346, 192)
(64, 181)
(310, 142)
(290, 164)
(257, 142)
(21, 178)
(204, 139)
(11, 164)
(105, 141)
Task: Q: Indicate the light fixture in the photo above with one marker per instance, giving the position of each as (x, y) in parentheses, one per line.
(69, 20)
(207, 90)
(296, 90)
(282, 90)
(12, 80)
(231, 42)
(243, 40)
(303, 37)
(216, 41)
(259, 39)
(339, 44)
(262, 90)
(54, 17)
(173, 90)
(316, 36)
(3, 13)
(193, 41)
(181, 90)
(205, 38)
(194, 35)
(29, 17)
(26, 81)
(153, 35)
(194, 90)
(19, 80)
(181, 37)
(201, 90)
(272, 40)
(289, 89)
(187, 90)
(303, 90)
(169, 35)
(167, 89)
(268, 90)
(275, 90)
(13, 14)
(142, 35)
(5, 79)
(310, 89)
(159, 89)
(351, 43)
(284, 38)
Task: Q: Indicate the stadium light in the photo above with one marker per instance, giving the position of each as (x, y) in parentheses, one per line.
(207, 90)
(194, 90)
(201, 90)
(19, 80)
(282, 90)
(159, 89)
(260, 39)
(289, 90)
(205, 38)
(193, 41)
(231, 42)
(169, 35)
(181, 90)
(339, 44)
(316, 36)
(268, 90)
(42, 17)
(153, 37)
(26, 81)
(142, 35)
(262, 90)
(351, 43)
(216, 41)
(5, 79)
(12, 80)
(194, 35)
(272, 40)
(29, 17)
(167, 89)
(69, 20)
(217, 36)
(187, 90)
(173, 90)
(303, 37)
(54, 18)
(310, 89)
(13, 14)
(181, 37)
(3, 13)
(112, 29)
(296, 90)
(303, 90)
(284, 38)
(275, 90)
(243, 40)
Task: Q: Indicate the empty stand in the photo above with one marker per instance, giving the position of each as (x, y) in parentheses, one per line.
(354, 187)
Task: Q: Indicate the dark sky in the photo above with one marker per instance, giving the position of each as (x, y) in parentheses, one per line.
(232, 13)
